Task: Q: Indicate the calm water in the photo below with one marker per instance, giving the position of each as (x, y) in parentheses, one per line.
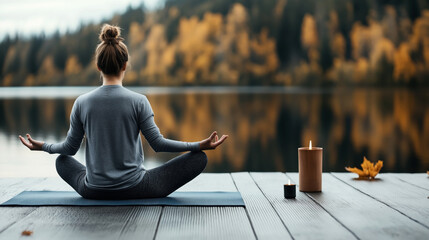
(265, 125)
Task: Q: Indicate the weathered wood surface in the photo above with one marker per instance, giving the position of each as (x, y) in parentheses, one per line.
(265, 220)
(210, 182)
(304, 218)
(206, 222)
(393, 207)
(10, 187)
(84, 222)
(405, 198)
(361, 214)
(420, 180)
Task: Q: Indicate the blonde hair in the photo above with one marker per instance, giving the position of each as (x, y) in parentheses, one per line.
(111, 54)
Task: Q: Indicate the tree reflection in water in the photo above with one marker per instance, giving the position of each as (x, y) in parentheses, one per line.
(265, 129)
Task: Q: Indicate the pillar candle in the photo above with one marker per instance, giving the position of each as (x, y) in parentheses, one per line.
(310, 168)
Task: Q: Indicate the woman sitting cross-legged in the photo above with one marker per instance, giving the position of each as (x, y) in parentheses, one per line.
(111, 118)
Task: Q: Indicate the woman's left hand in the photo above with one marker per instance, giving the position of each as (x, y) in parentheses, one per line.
(212, 142)
(32, 144)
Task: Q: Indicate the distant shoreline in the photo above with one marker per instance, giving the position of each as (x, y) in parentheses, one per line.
(75, 91)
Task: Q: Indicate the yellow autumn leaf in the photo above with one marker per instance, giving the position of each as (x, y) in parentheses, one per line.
(378, 166)
(369, 170)
(355, 170)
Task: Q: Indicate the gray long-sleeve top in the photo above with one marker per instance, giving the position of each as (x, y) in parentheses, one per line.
(111, 117)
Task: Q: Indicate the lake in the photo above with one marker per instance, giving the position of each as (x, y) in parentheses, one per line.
(266, 126)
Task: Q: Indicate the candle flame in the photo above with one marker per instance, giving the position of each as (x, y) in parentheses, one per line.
(310, 145)
(288, 182)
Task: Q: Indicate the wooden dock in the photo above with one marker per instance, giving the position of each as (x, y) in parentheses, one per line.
(395, 206)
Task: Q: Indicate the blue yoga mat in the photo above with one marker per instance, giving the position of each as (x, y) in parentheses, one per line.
(69, 198)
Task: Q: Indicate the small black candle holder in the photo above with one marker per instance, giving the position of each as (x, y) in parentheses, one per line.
(290, 190)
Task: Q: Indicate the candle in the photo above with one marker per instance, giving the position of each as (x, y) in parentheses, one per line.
(310, 168)
(289, 190)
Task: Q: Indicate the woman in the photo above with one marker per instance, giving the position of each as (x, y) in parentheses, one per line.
(111, 118)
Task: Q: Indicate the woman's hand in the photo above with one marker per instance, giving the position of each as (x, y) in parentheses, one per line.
(212, 142)
(32, 144)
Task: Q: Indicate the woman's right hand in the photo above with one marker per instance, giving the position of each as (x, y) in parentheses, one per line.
(212, 142)
(32, 144)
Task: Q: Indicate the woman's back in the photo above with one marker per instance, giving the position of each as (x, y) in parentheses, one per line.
(111, 117)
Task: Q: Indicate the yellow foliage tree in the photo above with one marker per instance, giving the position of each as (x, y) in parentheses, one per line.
(265, 48)
(309, 37)
(136, 35)
(338, 46)
(419, 40)
(47, 71)
(404, 67)
(72, 65)
(155, 69)
(382, 48)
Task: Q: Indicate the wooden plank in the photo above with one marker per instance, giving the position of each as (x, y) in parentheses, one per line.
(265, 220)
(365, 217)
(304, 218)
(52, 184)
(11, 215)
(84, 223)
(206, 222)
(407, 199)
(142, 223)
(125, 222)
(420, 180)
(210, 182)
(9, 187)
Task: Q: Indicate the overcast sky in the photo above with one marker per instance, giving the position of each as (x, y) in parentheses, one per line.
(28, 17)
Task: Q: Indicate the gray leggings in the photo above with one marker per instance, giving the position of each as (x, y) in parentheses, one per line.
(157, 182)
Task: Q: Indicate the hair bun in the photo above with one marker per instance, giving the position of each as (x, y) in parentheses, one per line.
(110, 34)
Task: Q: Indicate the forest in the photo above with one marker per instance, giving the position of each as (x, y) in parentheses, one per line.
(313, 43)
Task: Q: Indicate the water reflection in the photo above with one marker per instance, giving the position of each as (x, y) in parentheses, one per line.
(265, 129)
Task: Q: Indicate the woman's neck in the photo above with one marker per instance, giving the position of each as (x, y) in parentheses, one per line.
(113, 80)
